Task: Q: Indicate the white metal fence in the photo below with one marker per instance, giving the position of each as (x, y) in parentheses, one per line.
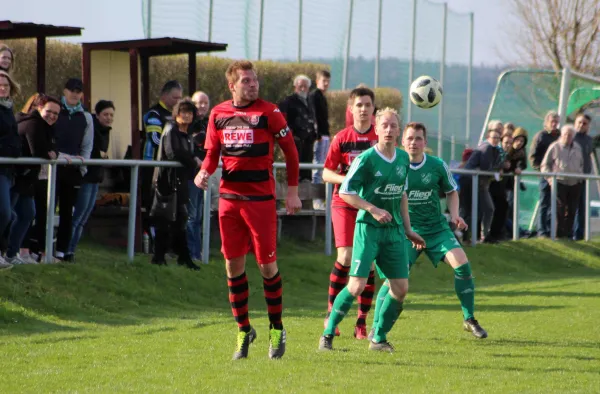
(134, 165)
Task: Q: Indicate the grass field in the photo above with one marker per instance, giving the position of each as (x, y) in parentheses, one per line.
(105, 326)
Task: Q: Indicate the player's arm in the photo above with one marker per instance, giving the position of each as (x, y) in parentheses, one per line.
(212, 145)
(449, 186)
(417, 241)
(285, 139)
(332, 162)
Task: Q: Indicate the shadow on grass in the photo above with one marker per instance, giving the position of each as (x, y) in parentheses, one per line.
(531, 293)
(488, 307)
(546, 356)
(545, 344)
(103, 289)
(72, 338)
(13, 322)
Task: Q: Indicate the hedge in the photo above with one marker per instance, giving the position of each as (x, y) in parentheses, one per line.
(64, 61)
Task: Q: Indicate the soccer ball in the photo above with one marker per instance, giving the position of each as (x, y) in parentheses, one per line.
(425, 92)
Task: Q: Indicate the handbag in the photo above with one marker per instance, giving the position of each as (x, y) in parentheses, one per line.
(164, 206)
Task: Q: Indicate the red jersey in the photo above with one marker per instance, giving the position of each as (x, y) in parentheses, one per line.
(345, 147)
(245, 137)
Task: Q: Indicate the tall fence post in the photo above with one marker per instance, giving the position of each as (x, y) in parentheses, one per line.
(328, 232)
(206, 224)
(300, 11)
(133, 188)
(587, 210)
(470, 79)
(348, 41)
(411, 61)
(565, 89)
(50, 213)
(378, 57)
(260, 28)
(552, 208)
(474, 209)
(452, 148)
(210, 20)
(440, 146)
(516, 199)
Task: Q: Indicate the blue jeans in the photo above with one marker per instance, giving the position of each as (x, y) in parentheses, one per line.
(194, 224)
(579, 226)
(24, 208)
(5, 210)
(545, 208)
(84, 205)
(320, 154)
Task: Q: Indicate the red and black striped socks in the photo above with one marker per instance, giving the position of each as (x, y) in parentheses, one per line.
(337, 281)
(273, 290)
(365, 300)
(238, 298)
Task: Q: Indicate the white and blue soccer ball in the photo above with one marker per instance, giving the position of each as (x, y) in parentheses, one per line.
(425, 92)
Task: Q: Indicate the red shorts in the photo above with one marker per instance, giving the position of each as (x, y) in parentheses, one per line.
(248, 226)
(344, 220)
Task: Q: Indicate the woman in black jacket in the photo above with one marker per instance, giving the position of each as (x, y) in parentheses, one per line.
(86, 197)
(175, 145)
(35, 131)
(10, 146)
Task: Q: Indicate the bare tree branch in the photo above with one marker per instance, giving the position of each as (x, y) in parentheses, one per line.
(557, 33)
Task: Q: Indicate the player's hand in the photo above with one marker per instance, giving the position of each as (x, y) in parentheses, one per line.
(381, 215)
(417, 242)
(201, 180)
(459, 222)
(292, 203)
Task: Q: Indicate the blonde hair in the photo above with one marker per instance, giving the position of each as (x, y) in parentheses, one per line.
(232, 71)
(387, 110)
(15, 88)
(30, 103)
(6, 48)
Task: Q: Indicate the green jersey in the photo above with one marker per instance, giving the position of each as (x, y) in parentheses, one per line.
(426, 181)
(380, 181)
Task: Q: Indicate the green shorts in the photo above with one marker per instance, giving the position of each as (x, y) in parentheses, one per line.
(437, 246)
(385, 246)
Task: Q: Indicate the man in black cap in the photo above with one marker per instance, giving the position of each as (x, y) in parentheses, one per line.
(74, 136)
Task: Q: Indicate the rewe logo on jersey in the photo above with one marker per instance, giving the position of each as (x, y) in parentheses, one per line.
(418, 195)
(390, 190)
(238, 137)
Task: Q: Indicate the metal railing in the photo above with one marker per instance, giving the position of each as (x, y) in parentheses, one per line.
(133, 188)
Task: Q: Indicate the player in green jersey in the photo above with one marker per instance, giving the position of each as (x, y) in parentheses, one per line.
(428, 177)
(375, 185)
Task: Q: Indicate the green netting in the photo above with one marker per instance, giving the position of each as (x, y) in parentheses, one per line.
(324, 35)
(176, 18)
(523, 97)
(396, 20)
(580, 97)
(455, 75)
(428, 55)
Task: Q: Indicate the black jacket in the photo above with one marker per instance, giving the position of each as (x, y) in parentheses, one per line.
(321, 111)
(175, 146)
(300, 116)
(10, 143)
(37, 139)
(95, 174)
(539, 145)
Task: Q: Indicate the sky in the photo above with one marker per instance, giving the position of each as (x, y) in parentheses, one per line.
(109, 20)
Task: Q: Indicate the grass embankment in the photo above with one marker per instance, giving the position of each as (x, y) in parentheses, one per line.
(103, 325)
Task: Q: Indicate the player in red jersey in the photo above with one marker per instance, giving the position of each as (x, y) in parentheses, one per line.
(244, 130)
(347, 145)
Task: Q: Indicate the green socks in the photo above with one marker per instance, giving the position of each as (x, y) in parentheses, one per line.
(340, 308)
(390, 310)
(465, 289)
(383, 291)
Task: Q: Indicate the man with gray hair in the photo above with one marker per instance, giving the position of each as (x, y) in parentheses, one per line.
(299, 112)
(539, 146)
(565, 156)
(582, 137)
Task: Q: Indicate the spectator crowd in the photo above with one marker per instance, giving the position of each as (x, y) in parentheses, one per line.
(566, 150)
(174, 129)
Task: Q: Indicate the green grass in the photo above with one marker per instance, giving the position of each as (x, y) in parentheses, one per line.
(105, 326)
